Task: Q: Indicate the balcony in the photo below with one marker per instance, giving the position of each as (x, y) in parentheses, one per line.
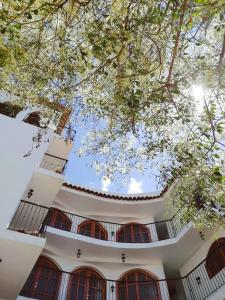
(54, 163)
(33, 219)
(48, 282)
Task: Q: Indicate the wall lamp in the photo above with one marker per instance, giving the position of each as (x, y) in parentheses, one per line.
(198, 280)
(112, 288)
(202, 236)
(78, 253)
(30, 193)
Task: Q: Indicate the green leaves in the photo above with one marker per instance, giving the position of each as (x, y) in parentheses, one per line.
(133, 65)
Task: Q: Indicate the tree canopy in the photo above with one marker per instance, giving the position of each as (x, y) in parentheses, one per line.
(150, 74)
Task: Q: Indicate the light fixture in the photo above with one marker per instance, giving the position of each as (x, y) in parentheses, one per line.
(112, 288)
(30, 193)
(112, 233)
(123, 257)
(198, 280)
(78, 253)
(202, 235)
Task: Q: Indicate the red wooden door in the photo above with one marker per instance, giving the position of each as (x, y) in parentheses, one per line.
(43, 282)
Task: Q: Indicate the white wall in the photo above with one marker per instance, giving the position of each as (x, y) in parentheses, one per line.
(15, 173)
(19, 253)
(16, 170)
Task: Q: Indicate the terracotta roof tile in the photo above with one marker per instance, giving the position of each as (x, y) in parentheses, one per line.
(111, 196)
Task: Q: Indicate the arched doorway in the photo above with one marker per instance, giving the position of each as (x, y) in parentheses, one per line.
(132, 287)
(86, 284)
(215, 260)
(44, 281)
(93, 229)
(133, 233)
(57, 219)
(33, 119)
(9, 109)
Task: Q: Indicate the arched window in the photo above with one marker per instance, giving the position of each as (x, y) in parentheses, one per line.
(86, 284)
(57, 219)
(130, 287)
(9, 109)
(215, 260)
(133, 233)
(43, 282)
(93, 229)
(33, 118)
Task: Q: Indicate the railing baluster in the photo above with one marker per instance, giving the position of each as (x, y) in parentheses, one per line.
(137, 233)
(54, 163)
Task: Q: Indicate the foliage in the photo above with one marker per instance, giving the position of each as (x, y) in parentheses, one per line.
(149, 73)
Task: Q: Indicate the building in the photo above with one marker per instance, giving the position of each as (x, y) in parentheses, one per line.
(62, 242)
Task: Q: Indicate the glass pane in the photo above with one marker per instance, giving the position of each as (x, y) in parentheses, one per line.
(122, 293)
(80, 294)
(39, 290)
(51, 287)
(132, 292)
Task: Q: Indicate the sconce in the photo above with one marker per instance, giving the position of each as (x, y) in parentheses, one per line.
(123, 257)
(112, 288)
(78, 253)
(30, 193)
(201, 235)
(112, 233)
(198, 280)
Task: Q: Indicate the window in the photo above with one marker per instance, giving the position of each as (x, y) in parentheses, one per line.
(93, 229)
(57, 219)
(9, 109)
(130, 286)
(215, 260)
(86, 284)
(33, 119)
(133, 233)
(43, 282)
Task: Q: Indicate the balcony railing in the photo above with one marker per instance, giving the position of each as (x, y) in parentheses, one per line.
(54, 163)
(196, 285)
(33, 219)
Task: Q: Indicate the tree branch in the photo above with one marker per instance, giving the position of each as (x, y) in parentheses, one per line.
(220, 63)
(183, 8)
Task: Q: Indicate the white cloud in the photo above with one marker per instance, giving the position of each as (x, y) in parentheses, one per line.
(105, 183)
(134, 187)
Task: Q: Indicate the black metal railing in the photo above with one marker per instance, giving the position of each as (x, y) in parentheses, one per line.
(196, 285)
(54, 163)
(71, 286)
(32, 218)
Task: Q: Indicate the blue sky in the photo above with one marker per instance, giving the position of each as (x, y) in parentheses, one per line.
(79, 172)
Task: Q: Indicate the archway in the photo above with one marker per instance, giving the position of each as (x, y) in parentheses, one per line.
(138, 285)
(57, 219)
(86, 283)
(93, 229)
(215, 260)
(33, 119)
(133, 233)
(44, 280)
(9, 109)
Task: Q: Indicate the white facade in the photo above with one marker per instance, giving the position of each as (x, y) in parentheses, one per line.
(33, 184)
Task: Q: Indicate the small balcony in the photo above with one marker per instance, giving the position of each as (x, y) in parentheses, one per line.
(34, 219)
(54, 163)
(48, 282)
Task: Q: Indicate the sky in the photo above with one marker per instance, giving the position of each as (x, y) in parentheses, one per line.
(79, 172)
